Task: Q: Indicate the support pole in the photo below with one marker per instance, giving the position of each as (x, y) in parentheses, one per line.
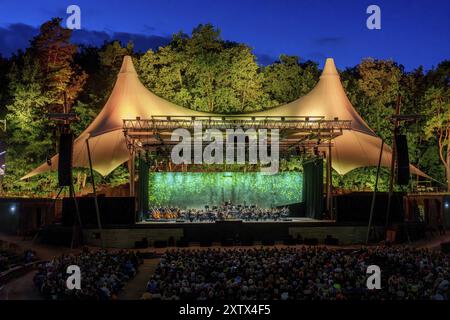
(76, 231)
(97, 211)
(394, 155)
(132, 173)
(329, 181)
(375, 190)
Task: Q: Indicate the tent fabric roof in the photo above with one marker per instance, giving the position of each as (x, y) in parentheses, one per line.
(129, 99)
(359, 147)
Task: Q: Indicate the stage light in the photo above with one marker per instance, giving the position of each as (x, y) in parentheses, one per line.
(12, 209)
(446, 205)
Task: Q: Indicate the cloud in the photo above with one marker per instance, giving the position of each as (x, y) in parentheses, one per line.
(18, 35)
(325, 41)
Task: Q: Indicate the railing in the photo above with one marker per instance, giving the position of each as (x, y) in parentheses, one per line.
(233, 122)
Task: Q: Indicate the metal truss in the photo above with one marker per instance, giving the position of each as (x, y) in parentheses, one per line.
(296, 134)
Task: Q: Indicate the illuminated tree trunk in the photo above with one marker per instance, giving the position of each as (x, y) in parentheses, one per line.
(447, 168)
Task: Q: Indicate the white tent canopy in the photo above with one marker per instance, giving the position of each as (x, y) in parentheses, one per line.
(359, 147)
(129, 99)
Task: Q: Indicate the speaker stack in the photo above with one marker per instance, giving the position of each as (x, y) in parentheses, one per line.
(65, 159)
(402, 157)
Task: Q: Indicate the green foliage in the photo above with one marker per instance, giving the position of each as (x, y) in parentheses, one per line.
(287, 80)
(61, 79)
(205, 73)
(194, 190)
(30, 136)
(362, 179)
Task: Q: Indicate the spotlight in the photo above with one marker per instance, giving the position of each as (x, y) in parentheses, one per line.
(446, 205)
(12, 209)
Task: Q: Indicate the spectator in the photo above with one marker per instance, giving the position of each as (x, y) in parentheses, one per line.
(103, 274)
(307, 273)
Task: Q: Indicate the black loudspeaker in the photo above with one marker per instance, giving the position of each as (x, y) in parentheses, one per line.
(65, 159)
(402, 157)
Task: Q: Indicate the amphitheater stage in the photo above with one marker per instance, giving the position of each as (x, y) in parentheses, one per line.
(226, 232)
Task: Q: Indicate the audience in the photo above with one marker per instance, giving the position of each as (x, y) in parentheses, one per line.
(307, 273)
(9, 259)
(103, 274)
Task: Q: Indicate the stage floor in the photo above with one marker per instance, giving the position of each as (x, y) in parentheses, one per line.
(222, 231)
(288, 220)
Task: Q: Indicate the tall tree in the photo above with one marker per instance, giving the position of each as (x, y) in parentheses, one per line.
(204, 72)
(38, 80)
(436, 105)
(55, 53)
(30, 138)
(288, 79)
(379, 83)
(101, 65)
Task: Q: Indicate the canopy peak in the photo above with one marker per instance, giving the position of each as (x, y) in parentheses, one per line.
(330, 68)
(127, 65)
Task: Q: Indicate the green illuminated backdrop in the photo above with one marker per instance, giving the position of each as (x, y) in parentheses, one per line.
(195, 190)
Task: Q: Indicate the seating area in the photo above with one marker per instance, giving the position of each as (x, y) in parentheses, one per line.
(104, 274)
(12, 255)
(231, 242)
(14, 261)
(300, 273)
(10, 259)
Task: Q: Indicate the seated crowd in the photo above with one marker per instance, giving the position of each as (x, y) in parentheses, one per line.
(103, 274)
(223, 212)
(9, 259)
(307, 273)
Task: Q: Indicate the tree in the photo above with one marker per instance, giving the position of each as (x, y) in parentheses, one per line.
(204, 72)
(101, 66)
(4, 69)
(30, 137)
(287, 79)
(37, 82)
(379, 86)
(55, 54)
(436, 105)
